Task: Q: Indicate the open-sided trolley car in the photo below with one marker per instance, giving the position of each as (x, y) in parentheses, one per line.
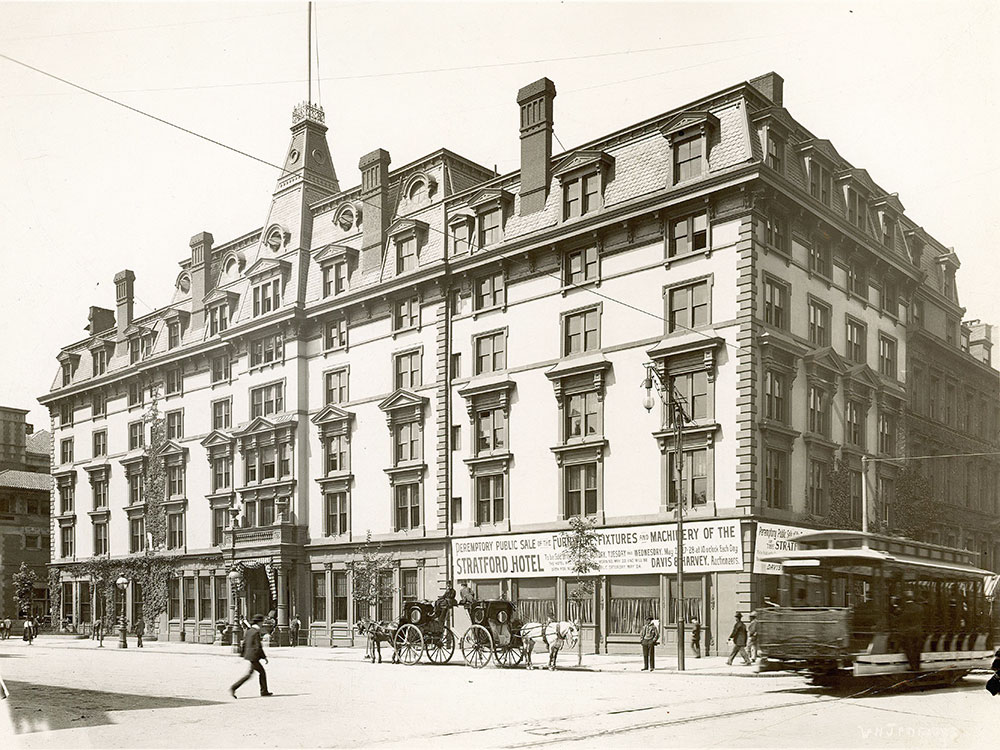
(841, 609)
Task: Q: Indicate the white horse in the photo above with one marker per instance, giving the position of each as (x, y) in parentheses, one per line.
(555, 635)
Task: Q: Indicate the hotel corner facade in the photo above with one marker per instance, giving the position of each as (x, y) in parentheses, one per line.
(451, 360)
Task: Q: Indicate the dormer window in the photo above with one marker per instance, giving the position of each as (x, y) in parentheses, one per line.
(218, 319)
(491, 206)
(408, 237)
(461, 234)
(406, 254)
(67, 372)
(820, 182)
(775, 151)
(335, 262)
(583, 176)
(856, 208)
(688, 136)
(581, 195)
(266, 297)
(688, 159)
(133, 351)
(173, 335)
(489, 227)
(335, 278)
(100, 362)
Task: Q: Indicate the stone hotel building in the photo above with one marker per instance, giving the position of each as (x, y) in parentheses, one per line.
(452, 360)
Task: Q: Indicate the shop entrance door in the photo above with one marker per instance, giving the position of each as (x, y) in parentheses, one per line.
(258, 592)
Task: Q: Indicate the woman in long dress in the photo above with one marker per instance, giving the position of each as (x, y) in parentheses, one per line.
(29, 630)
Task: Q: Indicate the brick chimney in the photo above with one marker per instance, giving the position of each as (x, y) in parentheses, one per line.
(100, 319)
(124, 296)
(535, 101)
(376, 211)
(772, 86)
(201, 276)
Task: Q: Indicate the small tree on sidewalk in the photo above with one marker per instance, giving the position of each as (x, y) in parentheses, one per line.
(367, 572)
(24, 584)
(581, 551)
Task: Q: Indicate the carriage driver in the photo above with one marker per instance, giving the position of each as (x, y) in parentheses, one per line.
(444, 602)
(466, 596)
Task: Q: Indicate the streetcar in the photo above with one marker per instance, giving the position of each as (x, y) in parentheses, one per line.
(846, 606)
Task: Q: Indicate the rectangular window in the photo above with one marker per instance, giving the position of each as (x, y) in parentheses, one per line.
(334, 279)
(407, 370)
(267, 511)
(218, 319)
(385, 590)
(886, 498)
(173, 335)
(66, 451)
(68, 541)
(692, 388)
(319, 596)
(688, 234)
(491, 431)
(249, 513)
(819, 412)
(774, 231)
(266, 297)
(581, 489)
(336, 387)
(854, 423)
(188, 585)
(175, 424)
(204, 598)
(100, 538)
(406, 314)
(406, 254)
(175, 481)
(100, 443)
(407, 442)
(489, 227)
(65, 414)
(407, 506)
(917, 313)
(687, 159)
(67, 497)
(817, 488)
(267, 400)
(775, 303)
(335, 334)
(336, 513)
(136, 534)
(489, 291)
(100, 489)
(583, 415)
(886, 433)
(855, 493)
(819, 324)
(890, 298)
(67, 373)
(694, 476)
(456, 437)
(136, 436)
(489, 499)
(222, 473)
(98, 404)
(268, 462)
(220, 368)
(135, 393)
(887, 357)
(456, 510)
(857, 345)
(174, 382)
(580, 266)
(266, 350)
(460, 238)
(100, 358)
(857, 280)
(775, 401)
(175, 530)
(335, 447)
(455, 365)
(775, 478)
(174, 598)
(491, 352)
(581, 196)
(688, 307)
(581, 332)
(856, 208)
(819, 182)
(222, 414)
(775, 152)
(219, 522)
(221, 599)
(820, 259)
(134, 350)
(339, 596)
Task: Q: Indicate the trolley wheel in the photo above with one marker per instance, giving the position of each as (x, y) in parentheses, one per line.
(440, 648)
(409, 643)
(477, 646)
(509, 655)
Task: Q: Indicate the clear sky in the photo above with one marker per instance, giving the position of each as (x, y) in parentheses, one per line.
(905, 90)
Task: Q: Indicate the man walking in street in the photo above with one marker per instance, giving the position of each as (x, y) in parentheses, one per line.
(140, 629)
(649, 637)
(739, 639)
(293, 629)
(253, 652)
(911, 629)
(99, 632)
(752, 637)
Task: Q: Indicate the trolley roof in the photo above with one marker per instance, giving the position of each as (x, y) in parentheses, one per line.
(846, 548)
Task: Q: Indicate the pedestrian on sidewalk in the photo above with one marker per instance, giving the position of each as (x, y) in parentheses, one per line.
(140, 630)
(752, 648)
(293, 628)
(29, 630)
(253, 652)
(696, 636)
(99, 632)
(739, 639)
(649, 637)
(8, 627)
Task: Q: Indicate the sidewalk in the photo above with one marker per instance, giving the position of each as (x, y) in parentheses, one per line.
(707, 665)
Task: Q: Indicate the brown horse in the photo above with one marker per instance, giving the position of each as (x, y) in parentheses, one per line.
(377, 633)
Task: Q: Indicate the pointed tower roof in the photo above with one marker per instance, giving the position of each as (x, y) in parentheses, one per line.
(308, 156)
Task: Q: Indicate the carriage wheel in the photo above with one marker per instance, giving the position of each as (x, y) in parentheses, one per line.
(409, 643)
(477, 646)
(440, 649)
(509, 655)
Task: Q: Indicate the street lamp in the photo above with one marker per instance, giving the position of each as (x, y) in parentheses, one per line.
(122, 584)
(235, 580)
(676, 407)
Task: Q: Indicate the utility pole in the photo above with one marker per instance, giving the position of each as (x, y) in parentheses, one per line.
(678, 412)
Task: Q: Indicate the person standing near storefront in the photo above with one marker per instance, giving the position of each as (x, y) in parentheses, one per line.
(140, 630)
(696, 636)
(752, 637)
(739, 639)
(649, 637)
(294, 628)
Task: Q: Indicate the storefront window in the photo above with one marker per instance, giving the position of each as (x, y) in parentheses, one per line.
(632, 600)
(693, 598)
(85, 616)
(385, 595)
(579, 610)
(536, 598)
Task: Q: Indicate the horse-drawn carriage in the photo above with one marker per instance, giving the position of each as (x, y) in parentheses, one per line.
(495, 632)
(423, 630)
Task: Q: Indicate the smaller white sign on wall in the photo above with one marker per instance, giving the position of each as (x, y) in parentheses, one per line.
(773, 539)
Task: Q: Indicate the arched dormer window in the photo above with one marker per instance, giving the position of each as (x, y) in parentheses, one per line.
(275, 238)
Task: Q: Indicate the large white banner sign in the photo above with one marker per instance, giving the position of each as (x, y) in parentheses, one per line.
(773, 539)
(708, 546)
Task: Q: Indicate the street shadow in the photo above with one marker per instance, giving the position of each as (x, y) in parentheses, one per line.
(45, 708)
(879, 688)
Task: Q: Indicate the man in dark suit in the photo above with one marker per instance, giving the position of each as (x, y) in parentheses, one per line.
(253, 652)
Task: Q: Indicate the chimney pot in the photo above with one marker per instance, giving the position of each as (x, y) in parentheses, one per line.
(535, 102)
(124, 297)
(201, 275)
(374, 168)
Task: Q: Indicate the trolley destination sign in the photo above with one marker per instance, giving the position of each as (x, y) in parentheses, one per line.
(708, 546)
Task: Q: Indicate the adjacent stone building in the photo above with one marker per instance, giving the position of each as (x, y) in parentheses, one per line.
(452, 359)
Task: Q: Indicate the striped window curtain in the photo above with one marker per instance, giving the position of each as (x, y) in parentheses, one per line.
(628, 615)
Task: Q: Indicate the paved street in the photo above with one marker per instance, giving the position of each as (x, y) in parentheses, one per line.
(65, 693)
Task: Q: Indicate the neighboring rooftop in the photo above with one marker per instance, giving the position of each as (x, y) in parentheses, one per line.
(39, 442)
(25, 480)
